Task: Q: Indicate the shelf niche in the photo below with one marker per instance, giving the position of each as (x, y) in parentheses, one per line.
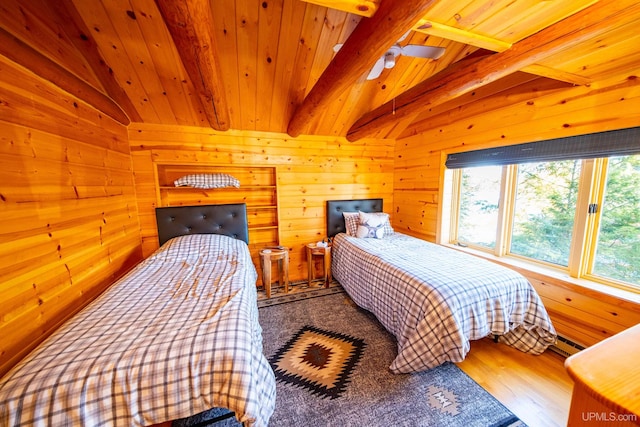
(258, 189)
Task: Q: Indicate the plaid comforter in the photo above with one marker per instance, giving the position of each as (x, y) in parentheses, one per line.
(177, 335)
(434, 300)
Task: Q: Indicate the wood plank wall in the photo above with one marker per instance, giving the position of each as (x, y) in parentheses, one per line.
(534, 111)
(310, 170)
(69, 217)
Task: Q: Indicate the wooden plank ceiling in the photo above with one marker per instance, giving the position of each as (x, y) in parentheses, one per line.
(270, 65)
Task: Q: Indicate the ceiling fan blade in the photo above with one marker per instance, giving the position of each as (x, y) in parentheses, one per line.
(403, 37)
(418, 51)
(376, 70)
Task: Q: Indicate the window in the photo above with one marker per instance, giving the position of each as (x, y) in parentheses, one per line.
(579, 215)
(479, 197)
(543, 214)
(617, 254)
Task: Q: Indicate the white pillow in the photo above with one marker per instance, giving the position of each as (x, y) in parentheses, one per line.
(383, 218)
(370, 231)
(192, 246)
(370, 226)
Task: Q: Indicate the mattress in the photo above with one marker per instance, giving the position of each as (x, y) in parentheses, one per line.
(178, 335)
(435, 300)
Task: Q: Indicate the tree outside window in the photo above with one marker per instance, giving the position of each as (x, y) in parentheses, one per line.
(618, 248)
(479, 197)
(544, 212)
(540, 214)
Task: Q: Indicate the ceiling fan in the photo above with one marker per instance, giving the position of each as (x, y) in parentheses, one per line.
(388, 60)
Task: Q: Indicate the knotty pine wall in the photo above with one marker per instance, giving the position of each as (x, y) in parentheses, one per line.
(310, 170)
(69, 218)
(535, 111)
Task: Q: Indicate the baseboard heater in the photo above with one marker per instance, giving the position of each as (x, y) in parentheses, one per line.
(565, 347)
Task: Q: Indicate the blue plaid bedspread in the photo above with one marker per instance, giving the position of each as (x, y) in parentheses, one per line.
(178, 335)
(434, 299)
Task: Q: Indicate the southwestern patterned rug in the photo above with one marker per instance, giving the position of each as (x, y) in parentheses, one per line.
(331, 363)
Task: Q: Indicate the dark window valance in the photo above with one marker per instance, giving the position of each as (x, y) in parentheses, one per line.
(603, 144)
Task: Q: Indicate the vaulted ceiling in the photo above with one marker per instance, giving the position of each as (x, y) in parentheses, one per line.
(270, 65)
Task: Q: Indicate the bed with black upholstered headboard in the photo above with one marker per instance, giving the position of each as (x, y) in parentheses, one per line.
(149, 349)
(226, 219)
(336, 209)
(432, 298)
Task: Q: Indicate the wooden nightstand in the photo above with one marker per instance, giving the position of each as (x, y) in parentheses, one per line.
(313, 250)
(281, 256)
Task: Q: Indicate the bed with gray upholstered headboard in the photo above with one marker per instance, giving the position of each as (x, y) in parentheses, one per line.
(148, 349)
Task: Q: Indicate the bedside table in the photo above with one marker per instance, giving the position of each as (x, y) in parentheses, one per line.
(281, 256)
(314, 250)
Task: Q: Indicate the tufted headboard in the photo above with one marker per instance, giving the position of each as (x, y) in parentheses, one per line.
(335, 220)
(229, 220)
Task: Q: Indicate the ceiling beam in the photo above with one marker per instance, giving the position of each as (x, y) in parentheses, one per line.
(474, 39)
(555, 74)
(448, 32)
(368, 42)
(587, 24)
(24, 55)
(191, 24)
(81, 37)
(359, 7)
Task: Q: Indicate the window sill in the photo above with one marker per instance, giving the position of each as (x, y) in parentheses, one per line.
(598, 290)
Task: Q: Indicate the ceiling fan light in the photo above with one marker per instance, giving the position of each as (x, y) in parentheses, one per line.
(389, 60)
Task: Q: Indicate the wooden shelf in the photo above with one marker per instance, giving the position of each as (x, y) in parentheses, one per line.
(258, 190)
(241, 188)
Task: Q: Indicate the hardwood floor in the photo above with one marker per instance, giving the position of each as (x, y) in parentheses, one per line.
(535, 388)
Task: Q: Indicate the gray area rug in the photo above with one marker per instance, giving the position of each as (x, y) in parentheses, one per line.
(331, 362)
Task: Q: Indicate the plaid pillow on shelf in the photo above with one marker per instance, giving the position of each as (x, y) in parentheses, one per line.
(207, 180)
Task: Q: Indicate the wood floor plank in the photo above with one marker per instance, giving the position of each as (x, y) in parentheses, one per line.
(535, 388)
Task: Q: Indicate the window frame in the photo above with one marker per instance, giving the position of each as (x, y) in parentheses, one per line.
(582, 252)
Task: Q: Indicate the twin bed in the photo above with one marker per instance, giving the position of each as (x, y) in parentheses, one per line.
(179, 334)
(433, 299)
(176, 336)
